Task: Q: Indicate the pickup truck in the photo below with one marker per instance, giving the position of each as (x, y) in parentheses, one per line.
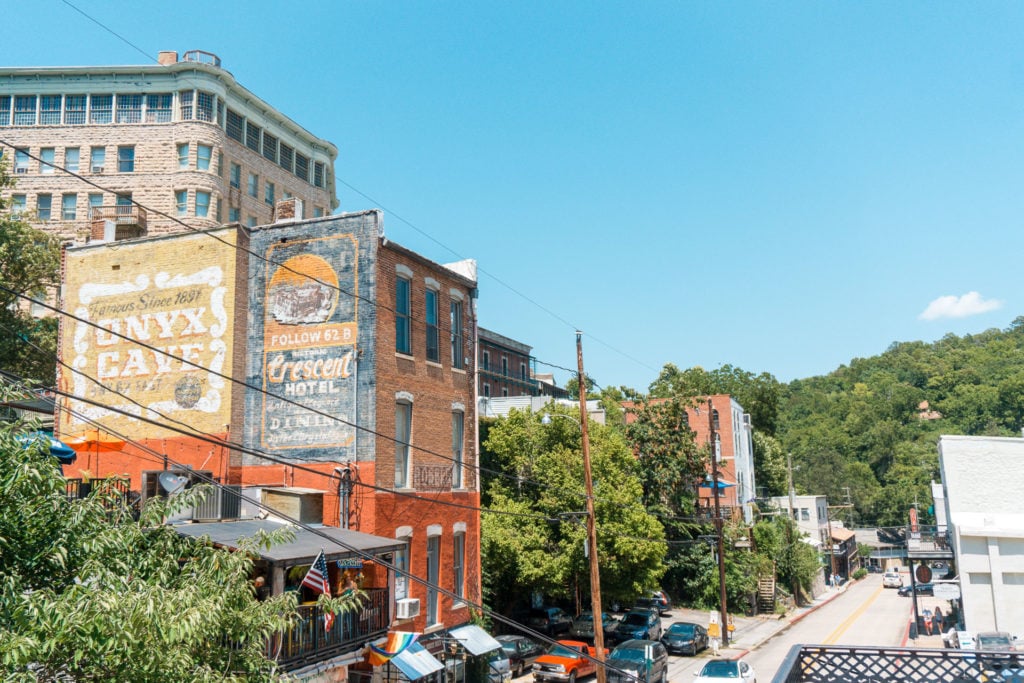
(565, 662)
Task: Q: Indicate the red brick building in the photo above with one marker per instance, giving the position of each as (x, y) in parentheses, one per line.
(734, 447)
(312, 364)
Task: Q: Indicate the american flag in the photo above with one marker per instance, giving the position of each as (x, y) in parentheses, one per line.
(316, 577)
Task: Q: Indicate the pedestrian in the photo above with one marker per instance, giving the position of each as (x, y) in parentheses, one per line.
(937, 622)
(926, 615)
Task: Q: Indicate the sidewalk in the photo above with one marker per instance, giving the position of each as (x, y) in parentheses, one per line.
(751, 632)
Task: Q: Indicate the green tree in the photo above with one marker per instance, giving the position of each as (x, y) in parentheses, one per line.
(88, 593)
(758, 394)
(29, 267)
(533, 540)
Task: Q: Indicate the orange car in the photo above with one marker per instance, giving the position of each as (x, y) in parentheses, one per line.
(565, 661)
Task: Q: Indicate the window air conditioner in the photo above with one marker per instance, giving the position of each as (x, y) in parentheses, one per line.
(408, 608)
(21, 169)
(97, 169)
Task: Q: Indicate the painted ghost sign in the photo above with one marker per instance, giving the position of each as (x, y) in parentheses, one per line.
(151, 335)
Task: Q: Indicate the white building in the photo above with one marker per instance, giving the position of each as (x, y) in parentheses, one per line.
(983, 481)
(810, 514)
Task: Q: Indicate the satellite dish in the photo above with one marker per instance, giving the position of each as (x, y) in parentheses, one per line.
(171, 482)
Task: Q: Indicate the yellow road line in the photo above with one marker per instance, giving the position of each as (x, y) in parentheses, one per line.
(848, 622)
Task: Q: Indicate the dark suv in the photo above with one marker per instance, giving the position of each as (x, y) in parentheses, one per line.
(637, 624)
(552, 621)
(638, 661)
(657, 599)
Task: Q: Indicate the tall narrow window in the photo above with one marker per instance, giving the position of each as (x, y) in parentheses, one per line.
(5, 110)
(202, 204)
(253, 134)
(21, 160)
(204, 155)
(433, 351)
(403, 433)
(69, 207)
(456, 328)
(97, 159)
(287, 157)
(402, 335)
(270, 143)
(254, 185)
(19, 204)
(458, 439)
(185, 99)
(44, 203)
(126, 158)
(234, 214)
(101, 108)
(504, 366)
(95, 203)
(49, 110)
(401, 561)
(459, 564)
(433, 576)
(183, 155)
(46, 157)
(302, 166)
(236, 175)
(71, 159)
(74, 110)
(268, 193)
(204, 106)
(181, 202)
(486, 361)
(235, 127)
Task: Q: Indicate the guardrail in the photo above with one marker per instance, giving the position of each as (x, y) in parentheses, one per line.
(837, 664)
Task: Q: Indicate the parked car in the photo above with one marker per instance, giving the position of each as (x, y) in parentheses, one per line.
(995, 642)
(499, 668)
(922, 589)
(874, 569)
(583, 626)
(685, 638)
(552, 621)
(720, 669)
(657, 599)
(637, 624)
(565, 661)
(638, 661)
(521, 652)
(892, 579)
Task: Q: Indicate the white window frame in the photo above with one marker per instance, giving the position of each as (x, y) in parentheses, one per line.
(403, 440)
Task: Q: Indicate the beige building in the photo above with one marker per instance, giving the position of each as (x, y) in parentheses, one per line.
(156, 149)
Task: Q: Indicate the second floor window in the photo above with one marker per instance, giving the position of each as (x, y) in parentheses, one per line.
(402, 332)
(183, 155)
(181, 202)
(46, 156)
(97, 159)
(21, 160)
(433, 351)
(71, 157)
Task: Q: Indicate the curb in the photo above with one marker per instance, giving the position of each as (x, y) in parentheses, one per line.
(794, 620)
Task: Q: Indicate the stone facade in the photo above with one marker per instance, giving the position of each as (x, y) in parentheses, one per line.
(181, 140)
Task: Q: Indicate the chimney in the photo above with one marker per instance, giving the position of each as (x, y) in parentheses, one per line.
(167, 58)
(288, 210)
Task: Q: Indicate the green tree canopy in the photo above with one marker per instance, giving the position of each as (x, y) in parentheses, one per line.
(29, 267)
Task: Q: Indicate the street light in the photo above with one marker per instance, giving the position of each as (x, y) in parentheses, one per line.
(595, 575)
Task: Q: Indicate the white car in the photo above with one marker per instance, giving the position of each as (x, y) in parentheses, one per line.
(892, 579)
(718, 670)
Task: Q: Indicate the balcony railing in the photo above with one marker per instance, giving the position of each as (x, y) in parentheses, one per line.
(309, 641)
(201, 57)
(820, 663)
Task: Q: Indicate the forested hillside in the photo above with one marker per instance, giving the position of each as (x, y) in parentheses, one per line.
(866, 433)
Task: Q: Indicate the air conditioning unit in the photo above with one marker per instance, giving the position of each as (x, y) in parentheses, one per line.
(21, 169)
(97, 169)
(408, 608)
(746, 421)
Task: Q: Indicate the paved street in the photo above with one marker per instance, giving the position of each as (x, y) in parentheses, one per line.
(862, 613)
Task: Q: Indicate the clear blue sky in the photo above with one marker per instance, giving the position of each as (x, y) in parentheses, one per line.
(777, 186)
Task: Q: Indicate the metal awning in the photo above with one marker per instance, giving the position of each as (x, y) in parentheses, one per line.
(303, 549)
(415, 662)
(476, 640)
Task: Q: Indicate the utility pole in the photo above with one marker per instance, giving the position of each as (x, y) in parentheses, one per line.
(789, 528)
(588, 482)
(723, 605)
